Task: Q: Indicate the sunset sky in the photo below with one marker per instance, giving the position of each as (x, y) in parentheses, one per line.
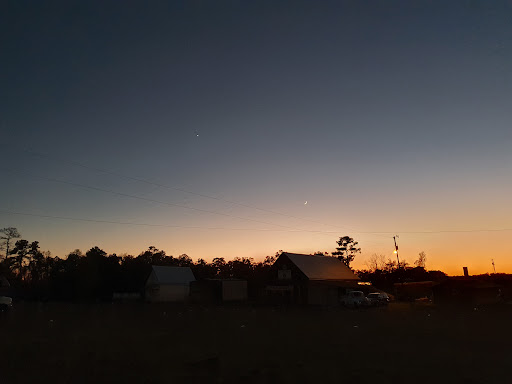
(211, 124)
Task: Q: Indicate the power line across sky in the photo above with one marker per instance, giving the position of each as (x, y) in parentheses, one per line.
(10, 212)
(161, 185)
(284, 228)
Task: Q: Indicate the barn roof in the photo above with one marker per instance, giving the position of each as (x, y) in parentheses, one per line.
(170, 275)
(321, 267)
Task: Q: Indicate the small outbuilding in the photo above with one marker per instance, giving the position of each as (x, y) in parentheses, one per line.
(169, 284)
(466, 291)
(219, 290)
(414, 290)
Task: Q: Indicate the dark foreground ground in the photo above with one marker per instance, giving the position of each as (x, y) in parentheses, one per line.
(148, 343)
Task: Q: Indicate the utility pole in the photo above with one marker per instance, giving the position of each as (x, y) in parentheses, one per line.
(493, 266)
(396, 251)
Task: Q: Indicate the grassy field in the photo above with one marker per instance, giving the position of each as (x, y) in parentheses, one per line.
(148, 343)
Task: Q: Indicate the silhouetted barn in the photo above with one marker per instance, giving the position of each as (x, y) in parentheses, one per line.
(169, 284)
(219, 290)
(310, 279)
(467, 291)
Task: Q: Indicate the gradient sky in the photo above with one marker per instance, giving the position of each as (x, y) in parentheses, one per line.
(390, 117)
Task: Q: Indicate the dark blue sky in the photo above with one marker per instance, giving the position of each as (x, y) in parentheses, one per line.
(384, 116)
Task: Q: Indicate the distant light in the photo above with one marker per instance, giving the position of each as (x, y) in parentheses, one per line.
(364, 283)
(395, 251)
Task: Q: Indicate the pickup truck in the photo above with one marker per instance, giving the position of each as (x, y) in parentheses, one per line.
(378, 298)
(354, 299)
(5, 303)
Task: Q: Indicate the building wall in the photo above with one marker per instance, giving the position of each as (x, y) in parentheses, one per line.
(279, 294)
(316, 294)
(205, 291)
(168, 292)
(466, 294)
(413, 290)
(319, 294)
(234, 290)
(333, 296)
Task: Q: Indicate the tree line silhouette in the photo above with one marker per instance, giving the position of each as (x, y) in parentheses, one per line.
(36, 274)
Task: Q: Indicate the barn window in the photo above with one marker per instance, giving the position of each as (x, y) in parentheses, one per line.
(284, 274)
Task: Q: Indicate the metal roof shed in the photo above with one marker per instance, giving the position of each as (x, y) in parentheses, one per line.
(169, 283)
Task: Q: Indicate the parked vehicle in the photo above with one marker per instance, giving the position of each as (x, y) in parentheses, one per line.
(5, 303)
(378, 298)
(354, 299)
